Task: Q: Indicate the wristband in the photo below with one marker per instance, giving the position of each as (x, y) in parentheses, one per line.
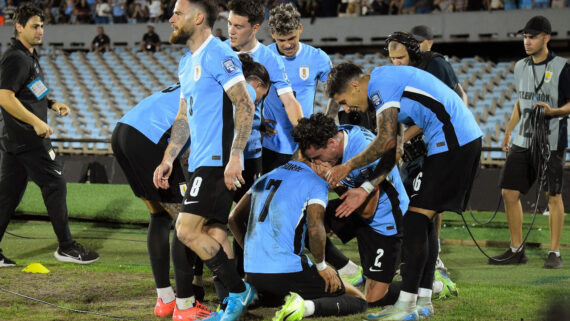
(50, 102)
(368, 187)
(321, 266)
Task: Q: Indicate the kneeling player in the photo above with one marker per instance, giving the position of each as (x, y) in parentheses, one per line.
(377, 228)
(277, 212)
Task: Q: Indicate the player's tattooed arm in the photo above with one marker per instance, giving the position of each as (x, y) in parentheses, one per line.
(180, 132)
(317, 232)
(238, 219)
(244, 111)
(389, 160)
(332, 109)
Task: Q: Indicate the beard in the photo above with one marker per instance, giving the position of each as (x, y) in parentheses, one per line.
(180, 36)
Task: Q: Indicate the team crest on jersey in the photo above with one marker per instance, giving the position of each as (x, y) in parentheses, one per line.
(229, 66)
(183, 188)
(376, 99)
(304, 72)
(548, 74)
(197, 72)
(51, 153)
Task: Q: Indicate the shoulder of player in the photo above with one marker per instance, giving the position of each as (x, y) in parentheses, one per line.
(16, 57)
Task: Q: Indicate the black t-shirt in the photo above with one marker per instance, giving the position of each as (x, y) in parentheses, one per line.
(21, 73)
(150, 40)
(564, 86)
(101, 40)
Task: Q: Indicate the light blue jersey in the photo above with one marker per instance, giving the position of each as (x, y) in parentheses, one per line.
(275, 237)
(424, 100)
(279, 85)
(155, 114)
(385, 221)
(305, 70)
(204, 76)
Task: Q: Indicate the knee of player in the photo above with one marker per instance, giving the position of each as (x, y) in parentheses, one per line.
(554, 200)
(510, 195)
(187, 233)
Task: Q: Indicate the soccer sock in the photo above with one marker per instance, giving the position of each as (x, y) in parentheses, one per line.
(414, 251)
(426, 281)
(334, 256)
(309, 308)
(238, 255)
(339, 305)
(407, 299)
(221, 290)
(350, 268)
(390, 297)
(557, 252)
(424, 295)
(221, 266)
(158, 247)
(166, 294)
(515, 249)
(198, 267)
(183, 261)
(185, 303)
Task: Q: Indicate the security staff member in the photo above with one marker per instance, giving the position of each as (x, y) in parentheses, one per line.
(27, 152)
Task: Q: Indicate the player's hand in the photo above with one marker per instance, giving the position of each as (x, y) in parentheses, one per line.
(353, 199)
(232, 173)
(321, 169)
(506, 144)
(42, 129)
(60, 108)
(547, 109)
(337, 174)
(161, 175)
(267, 130)
(332, 280)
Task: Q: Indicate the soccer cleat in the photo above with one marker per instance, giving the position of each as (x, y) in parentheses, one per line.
(509, 257)
(425, 311)
(449, 287)
(356, 279)
(76, 253)
(162, 309)
(236, 303)
(5, 262)
(393, 313)
(553, 261)
(215, 316)
(197, 312)
(292, 310)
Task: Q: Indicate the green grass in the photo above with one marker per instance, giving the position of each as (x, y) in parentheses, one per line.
(121, 282)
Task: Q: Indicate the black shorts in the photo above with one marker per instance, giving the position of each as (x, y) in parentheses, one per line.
(207, 195)
(271, 159)
(252, 171)
(445, 182)
(409, 171)
(138, 157)
(519, 172)
(273, 288)
(379, 253)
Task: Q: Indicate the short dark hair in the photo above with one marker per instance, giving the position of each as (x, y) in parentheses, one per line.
(210, 8)
(252, 9)
(314, 131)
(255, 70)
(340, 76)
(409, 42)
(284, 19)
(24, 13)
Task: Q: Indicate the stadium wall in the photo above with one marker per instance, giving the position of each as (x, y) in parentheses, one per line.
(480, 26)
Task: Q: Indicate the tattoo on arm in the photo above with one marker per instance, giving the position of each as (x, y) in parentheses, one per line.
(317, 233)
(179, 132)
(332, 109)
(245, 110)
(389, 160)
(384, 141)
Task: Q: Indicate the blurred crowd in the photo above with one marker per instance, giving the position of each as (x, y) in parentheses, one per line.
(144, 11)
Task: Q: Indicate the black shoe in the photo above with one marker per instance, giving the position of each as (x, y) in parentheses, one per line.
(76, 253)
(553, 261)
(509, 257)
(5, 262)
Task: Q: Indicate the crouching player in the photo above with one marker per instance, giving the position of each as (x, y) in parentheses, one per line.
(282, 208)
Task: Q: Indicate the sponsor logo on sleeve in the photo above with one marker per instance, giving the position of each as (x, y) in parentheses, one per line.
(376, 99)
(230, 66)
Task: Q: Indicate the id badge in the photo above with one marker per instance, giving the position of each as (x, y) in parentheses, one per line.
(38, 88)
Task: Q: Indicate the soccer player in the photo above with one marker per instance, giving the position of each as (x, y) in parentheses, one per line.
(541, 79)
(244, 21)
(379, 231)
(282, 208)
(412, 96)
(212, 85)
(26, 152)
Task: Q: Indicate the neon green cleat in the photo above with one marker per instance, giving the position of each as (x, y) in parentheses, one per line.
(449, 287)
(394, 313)
(292, 310)
(356, 279)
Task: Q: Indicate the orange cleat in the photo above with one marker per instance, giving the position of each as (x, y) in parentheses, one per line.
(162, 309)
(198, 312)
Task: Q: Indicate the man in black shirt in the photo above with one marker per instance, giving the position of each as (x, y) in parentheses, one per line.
(101, 42)
(150, 40)
(26, 151)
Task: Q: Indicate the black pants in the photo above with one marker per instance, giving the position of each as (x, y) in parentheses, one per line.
(38, 166)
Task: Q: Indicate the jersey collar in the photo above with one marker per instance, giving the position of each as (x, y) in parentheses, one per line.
(204, 44)
(254, 49)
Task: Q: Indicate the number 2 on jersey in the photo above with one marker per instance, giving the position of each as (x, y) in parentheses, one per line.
(273, 186)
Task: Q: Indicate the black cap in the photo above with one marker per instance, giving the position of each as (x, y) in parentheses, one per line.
(422, 33)
(536, 25)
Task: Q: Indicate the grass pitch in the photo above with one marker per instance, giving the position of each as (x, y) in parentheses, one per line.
(121, 282)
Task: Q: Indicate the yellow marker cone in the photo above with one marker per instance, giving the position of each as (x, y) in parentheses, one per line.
(36, 268)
